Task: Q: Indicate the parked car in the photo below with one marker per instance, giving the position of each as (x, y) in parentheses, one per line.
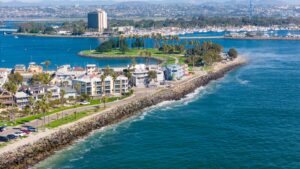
(11, 136)
(3, 139)
(2, 128)
(31, 129)
(85, 103)
(26, 131)
(20, 134)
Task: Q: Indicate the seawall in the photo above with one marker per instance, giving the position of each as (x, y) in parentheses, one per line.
(28, 155)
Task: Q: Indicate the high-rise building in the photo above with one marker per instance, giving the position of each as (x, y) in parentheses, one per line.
(97, 20)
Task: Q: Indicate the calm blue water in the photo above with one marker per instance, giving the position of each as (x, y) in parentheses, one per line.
(248, 119)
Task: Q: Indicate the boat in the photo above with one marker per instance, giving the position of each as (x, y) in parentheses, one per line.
(16, 37)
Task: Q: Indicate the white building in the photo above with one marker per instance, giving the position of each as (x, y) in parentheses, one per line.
(120, 85)
(91, 69)
(69, 92)
(21, 99)
(39, 91)
(140, 76)
(97, 20)
(3, 76)
(93, 85)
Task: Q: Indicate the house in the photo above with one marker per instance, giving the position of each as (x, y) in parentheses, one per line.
(20, 68)
(3, 76)
(140, 76)
(34, 68)
(65, 74)
(174, 72)
(69, 92)
(6, 98)
(91, 69)
(39, 91)
(21, 99)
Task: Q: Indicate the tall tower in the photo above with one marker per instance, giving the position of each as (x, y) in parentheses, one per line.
(250, 9)
(97, 20)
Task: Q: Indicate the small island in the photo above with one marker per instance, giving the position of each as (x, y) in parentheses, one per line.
(168, 50)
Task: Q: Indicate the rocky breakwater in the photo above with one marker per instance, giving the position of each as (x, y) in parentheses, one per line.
(30, 154)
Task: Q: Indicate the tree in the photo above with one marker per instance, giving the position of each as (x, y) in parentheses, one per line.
(233, 53)
(15, 78)
(62, 96)
(103, 100)
(44, 106)
(77, 88)
(103, 76)
(47, 63)
(105, 46)
(31, 103)
(11, 87)
(49, 30)
(152, 75)
(114, 76)
(41, 78)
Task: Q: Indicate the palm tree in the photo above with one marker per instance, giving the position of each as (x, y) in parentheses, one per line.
(31, 103)
(47, 63)
(44, 107)
(62, 96)
(11, 88)
(103, 100)
(103, 83)
(114, 76)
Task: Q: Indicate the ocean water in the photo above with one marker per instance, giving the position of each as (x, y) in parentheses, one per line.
(60, 51)
(248, 119)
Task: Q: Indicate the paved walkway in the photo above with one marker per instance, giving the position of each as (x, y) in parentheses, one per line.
(48, 119)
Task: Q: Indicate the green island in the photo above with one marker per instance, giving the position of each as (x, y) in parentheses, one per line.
(169, 50)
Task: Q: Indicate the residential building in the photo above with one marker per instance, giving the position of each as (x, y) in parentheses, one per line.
(6, 98)
(34, 68)
(90, 85)
(174, 72)
(94, 86)
(69, 92)
(91, 69)
(20, 68)
(3, 76)
(121, 85)
(97, 20)
(21, 99)
(140, 76)
(39, 91)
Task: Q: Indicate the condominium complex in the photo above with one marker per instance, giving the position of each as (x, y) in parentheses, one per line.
(97, 20)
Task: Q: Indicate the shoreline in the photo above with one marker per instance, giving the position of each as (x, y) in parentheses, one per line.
(59, 36)
(182, 37)
(44, 144)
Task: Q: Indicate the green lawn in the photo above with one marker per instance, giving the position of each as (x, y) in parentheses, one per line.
(169, 58)
(71, 118)
(39, 116)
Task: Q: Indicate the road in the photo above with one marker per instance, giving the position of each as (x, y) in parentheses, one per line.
(139, 92)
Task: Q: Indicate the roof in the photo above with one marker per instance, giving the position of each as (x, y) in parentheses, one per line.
(21, 94)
